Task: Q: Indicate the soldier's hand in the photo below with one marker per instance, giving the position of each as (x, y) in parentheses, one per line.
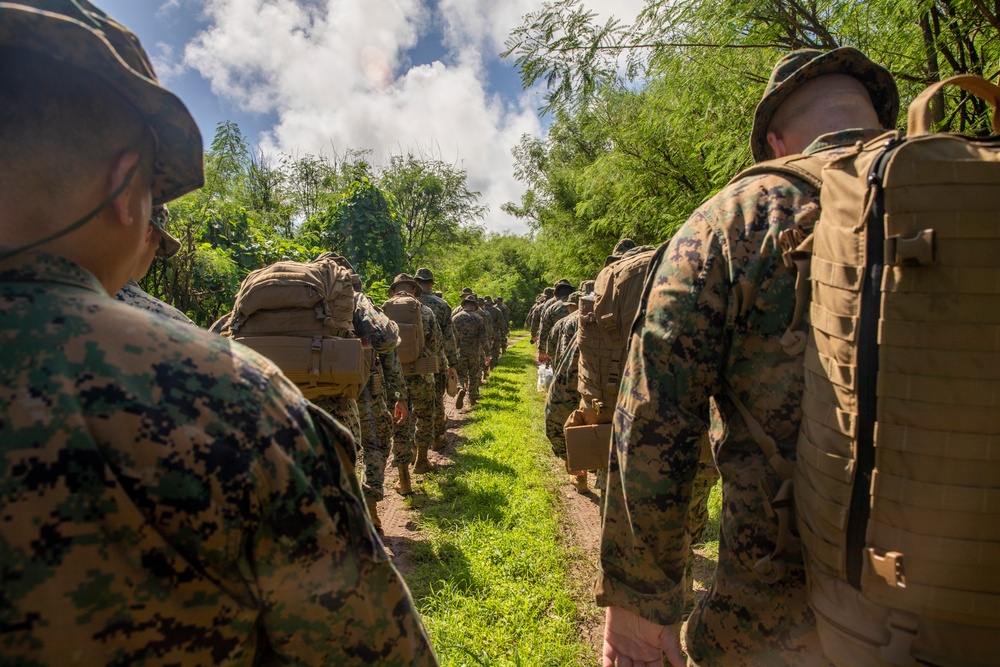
(401, 412)
(632, 641)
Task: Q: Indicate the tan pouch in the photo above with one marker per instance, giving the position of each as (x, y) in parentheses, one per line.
(421, 366)
(320, 366)
(588, 447)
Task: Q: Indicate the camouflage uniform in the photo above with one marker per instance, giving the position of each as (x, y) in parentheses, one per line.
(696, 330)
(417, 432)
(562, 334)
(470, 332)
(442, 315)
(552, 313)
(496, 321)
(382, 334)
(169, 497)
(505, 322)
(535, 317)
(134, 295)
(376, 408)
(563, 397)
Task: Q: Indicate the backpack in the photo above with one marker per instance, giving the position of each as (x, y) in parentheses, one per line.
(404, 310)
(605, 328)
(897, 474)
(301, 317)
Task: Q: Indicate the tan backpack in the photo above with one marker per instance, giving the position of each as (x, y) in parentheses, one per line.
(301, 317)
(404, 310)
(897, 474)
(605, 327)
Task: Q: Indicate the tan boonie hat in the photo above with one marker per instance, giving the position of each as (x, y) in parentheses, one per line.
(79, 34)
(471, 298)
(797, 67)
(168, 244)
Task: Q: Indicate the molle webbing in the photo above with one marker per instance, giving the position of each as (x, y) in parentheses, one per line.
(930, 361)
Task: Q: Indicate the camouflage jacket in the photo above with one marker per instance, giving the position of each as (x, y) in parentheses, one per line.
(442, 315)
(562, 333)
(487, 325)
(134, 295)
(552, 313)
(392, 373)
(168, 497)
(535, 317)
(496, 319)
(371, 324)
(717, 300)
(470, 332)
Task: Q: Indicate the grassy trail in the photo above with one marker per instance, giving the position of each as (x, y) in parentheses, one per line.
(489, 573)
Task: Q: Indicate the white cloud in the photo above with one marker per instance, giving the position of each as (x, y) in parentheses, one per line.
(335, 73)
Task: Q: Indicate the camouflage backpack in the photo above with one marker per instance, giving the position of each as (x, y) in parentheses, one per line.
(897, 474)
(606, 320)
(404, 310)
(301, 317)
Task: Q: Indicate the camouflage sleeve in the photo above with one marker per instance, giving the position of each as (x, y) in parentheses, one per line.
(544, 326)
(676, 351)
(381, 332)
(552, 339)
(394, 381)
(448, 335)
(328, 591)
(483, 338)
(563, 398)
(533, 321)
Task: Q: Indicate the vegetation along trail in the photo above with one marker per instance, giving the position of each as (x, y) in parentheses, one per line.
(499, 551)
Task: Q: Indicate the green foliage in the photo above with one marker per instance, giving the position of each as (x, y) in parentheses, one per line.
(433, 200)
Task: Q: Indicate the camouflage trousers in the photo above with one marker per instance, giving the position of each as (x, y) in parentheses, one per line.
(376, 442)
(769, 620)
(440, 420)
(470, 373)
(418, 430)
(495, 354)
(563, 398)
(344, 410)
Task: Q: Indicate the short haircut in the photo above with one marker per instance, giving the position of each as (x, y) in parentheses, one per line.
(58, 123)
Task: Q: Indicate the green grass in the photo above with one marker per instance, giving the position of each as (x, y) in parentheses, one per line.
(490, 572)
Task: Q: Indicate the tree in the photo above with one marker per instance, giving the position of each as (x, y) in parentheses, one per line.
(365, 228)
(432, 198)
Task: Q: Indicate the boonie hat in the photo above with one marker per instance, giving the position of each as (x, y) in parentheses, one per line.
(77, 33)
(471, 298)
(405, 278)
(425, 275)
(168, 244)
(797, 67)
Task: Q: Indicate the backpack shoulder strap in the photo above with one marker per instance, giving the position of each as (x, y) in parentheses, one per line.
(807, 167)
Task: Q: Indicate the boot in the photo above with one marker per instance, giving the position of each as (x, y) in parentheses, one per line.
(579, 482)
(373, 512)
(438, 443)
(403, 487)
(422, 465)
(460, 399)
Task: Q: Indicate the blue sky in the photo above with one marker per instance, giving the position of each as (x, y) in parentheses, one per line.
(325, 76)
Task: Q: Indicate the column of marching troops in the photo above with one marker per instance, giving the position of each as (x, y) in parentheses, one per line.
(553, 322)
(468, 340)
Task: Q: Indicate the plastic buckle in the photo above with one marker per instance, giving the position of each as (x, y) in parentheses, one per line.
(889, 566)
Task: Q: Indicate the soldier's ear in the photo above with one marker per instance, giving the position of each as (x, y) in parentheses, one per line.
(134, 204)
(777, 145)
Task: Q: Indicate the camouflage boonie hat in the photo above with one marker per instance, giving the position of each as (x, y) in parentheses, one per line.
(488, 299)
(77, 33)
(168, 244)
(587, 286)
(424, 274)
(623, 247)
(466, 290)
(471, 298)
(499, 299)
(561, 285)
(405, 278)
(548, 291)
(574, 298)
(797, 67)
